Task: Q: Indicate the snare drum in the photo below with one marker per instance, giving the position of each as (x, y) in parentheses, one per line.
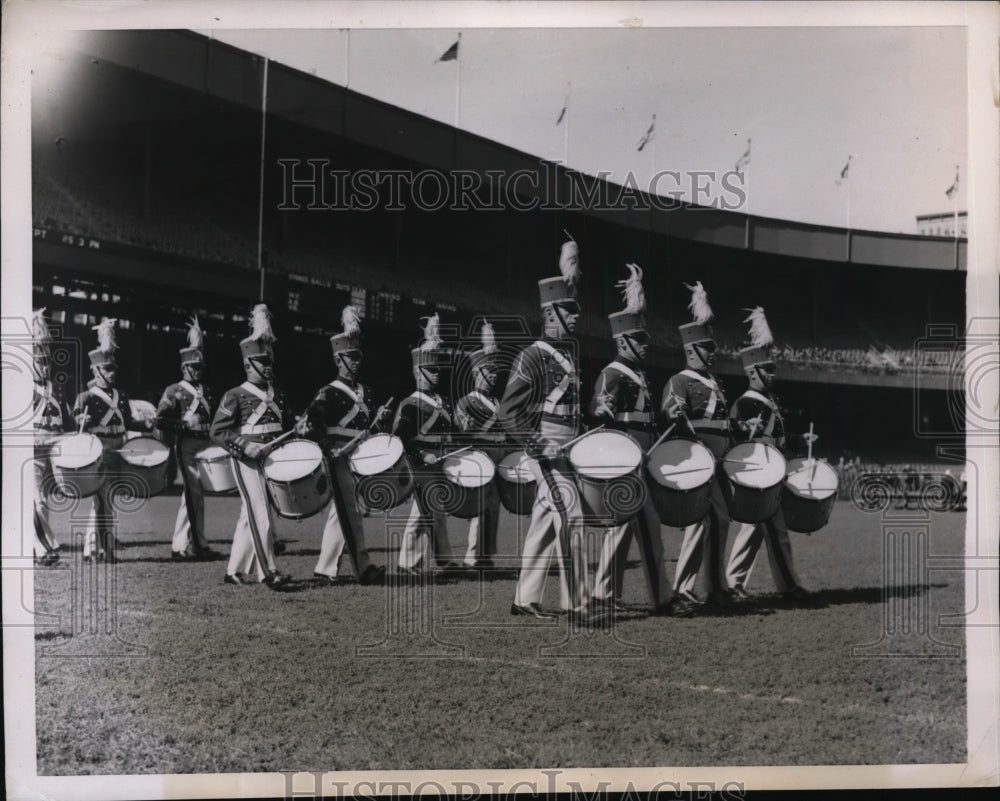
(517, 484)
(808, 494)
(297, 479)
(755, 471)
(215, 471)
(681, 472)
(382, 473)
(145, 458)
(607, 467)
(76, 462)
(465, 478)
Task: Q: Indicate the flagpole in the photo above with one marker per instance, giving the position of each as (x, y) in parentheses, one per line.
(746, 232)
(652, 153)
(260, 205)
(569, 91)
(347, 62)
(848, 213)
(458, 84)
(955, 216)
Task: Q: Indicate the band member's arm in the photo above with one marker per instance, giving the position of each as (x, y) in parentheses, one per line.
(65, 412)
(168, 416)
(520, 408)
(749, 418)
(406, 426)
(128, 421)
(84, 412)
(225, 430)
(674, 405)
(605, 401)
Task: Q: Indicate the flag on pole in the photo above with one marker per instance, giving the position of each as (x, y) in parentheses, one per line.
(648, 136)
(744, 160)
(844, 172)
(451, 54)
(951, 190)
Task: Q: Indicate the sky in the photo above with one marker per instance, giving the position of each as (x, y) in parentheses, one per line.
(892, 98)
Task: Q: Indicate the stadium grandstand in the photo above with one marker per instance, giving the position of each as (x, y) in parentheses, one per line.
(147, 207)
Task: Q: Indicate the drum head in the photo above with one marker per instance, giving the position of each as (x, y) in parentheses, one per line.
(145, 452)
(605, 455)
(681, 464)
(754, 465)
(376, 455)
(79, 450)
(811, 478)
(212, 453)
(293, 460)
(469, 469)
(516, 468)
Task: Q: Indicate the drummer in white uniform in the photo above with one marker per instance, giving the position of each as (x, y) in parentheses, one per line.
(478, 418)
(757, 418)
(622, 401)
(541, 409)
(424, 423)
(104, 411)
(51, 418)
(694, 403)
(184, 415)
(249, 416)
(337, 415)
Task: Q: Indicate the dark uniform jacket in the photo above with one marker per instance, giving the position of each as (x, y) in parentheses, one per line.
(757, 415)
(105, 413)
(249, 413)
(543, 390)
(339, 412)
(424, 422)
(185, 410)
(478, 416)
(704, 404)
(622, 401)
(51, 411)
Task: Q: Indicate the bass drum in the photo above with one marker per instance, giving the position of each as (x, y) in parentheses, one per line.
(808, 494)
(755, 471)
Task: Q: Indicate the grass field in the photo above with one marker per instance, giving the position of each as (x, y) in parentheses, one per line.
(188, 675)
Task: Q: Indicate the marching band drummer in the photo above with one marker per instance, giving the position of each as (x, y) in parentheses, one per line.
(249, 416)
(476, 414)
(338, 413)
(693, 399)
(423, 422)
(622, 402)
(541, 410)
(757, 418)
(51, 417)
(104, 411)
(184, 414)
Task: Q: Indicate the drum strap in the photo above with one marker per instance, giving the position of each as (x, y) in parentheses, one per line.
(491, 407)
(46, 409)
(358, 399)
(109, 421)
(553, 398)
(637, 379)
(713, 398)
(437, 410)
(770, 404)
(198, 399)
(266, 402)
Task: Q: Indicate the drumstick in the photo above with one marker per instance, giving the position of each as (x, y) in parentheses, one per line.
(663, 436)
(356, 440)
(455, 453)
(809, 445)
(577, 439)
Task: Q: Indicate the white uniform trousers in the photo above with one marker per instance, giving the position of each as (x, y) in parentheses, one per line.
(609, 579)
(542, 543)
(255, 527)
(102, 522)
(350, 534)
(192, 493)
(422, 527)
(704, 544)
(779, 552)
(45, 540)
(482, 545)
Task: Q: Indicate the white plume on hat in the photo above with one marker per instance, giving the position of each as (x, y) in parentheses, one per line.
(699, 307)
(489, 338)
(195, 334)
(569, 261)
(106, 334)
(635, 298)
(39, 328)
(760, 331)
(351, 321)
(260, 324)
(432, 337)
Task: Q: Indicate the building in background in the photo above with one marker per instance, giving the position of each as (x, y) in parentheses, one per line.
(942, 224)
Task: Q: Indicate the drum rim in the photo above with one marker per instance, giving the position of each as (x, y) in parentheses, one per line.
(98, 451)
(389, 468)
(730, 475)
(605, 432)
(698, 447)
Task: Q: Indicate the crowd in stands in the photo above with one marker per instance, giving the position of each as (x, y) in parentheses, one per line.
(872, 485)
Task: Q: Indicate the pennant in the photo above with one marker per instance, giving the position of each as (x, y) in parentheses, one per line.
(951, 190)
(648, 136)
(451, 54)
(844, 172)
(744, 160)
